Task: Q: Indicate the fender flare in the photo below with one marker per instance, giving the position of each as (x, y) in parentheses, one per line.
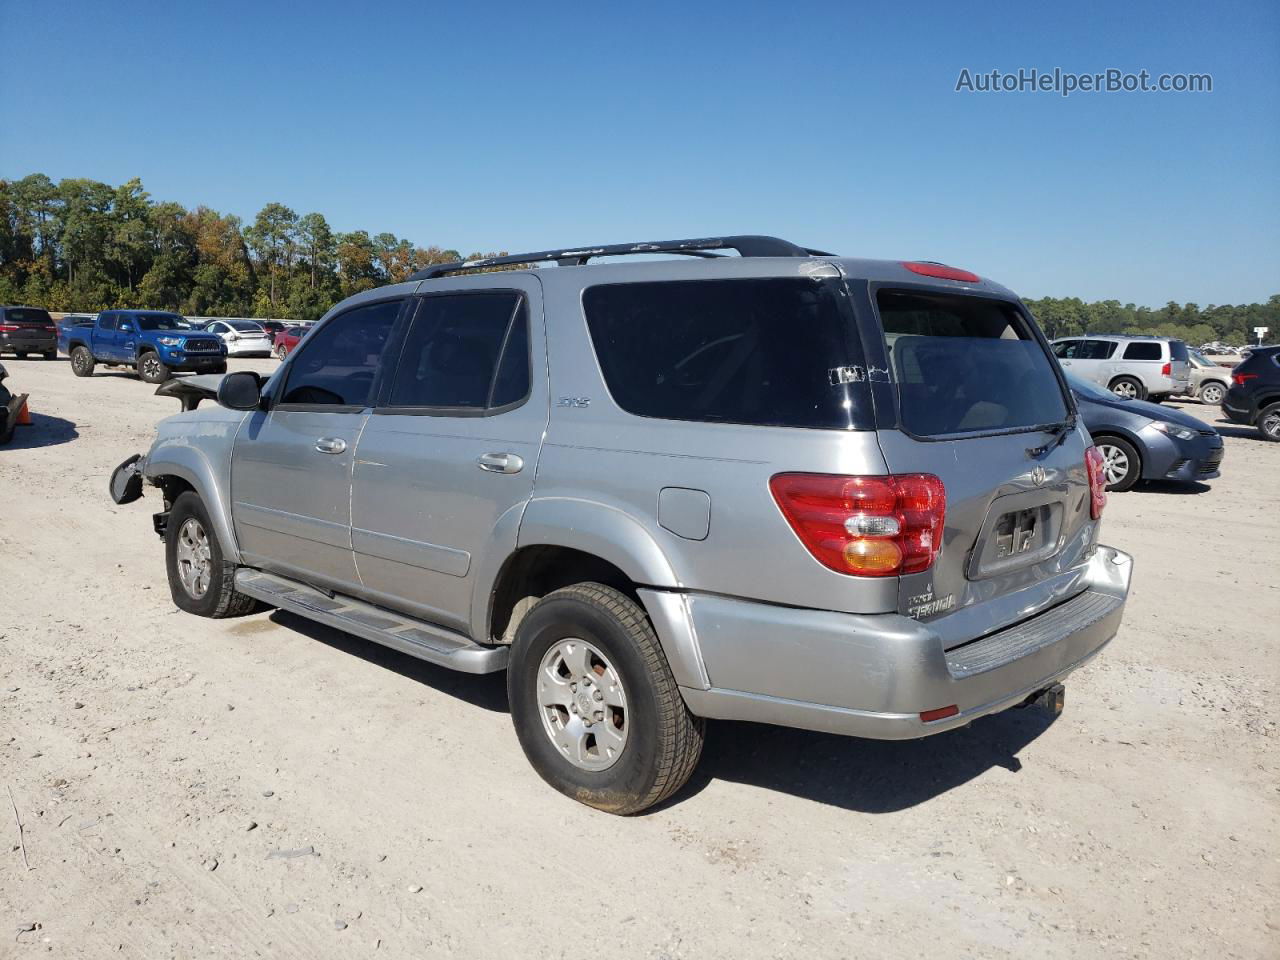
(618, 538)
(191, 465)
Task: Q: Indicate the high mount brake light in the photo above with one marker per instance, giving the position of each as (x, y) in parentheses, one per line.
(877, 526)
(1094, 466)
(941, 271)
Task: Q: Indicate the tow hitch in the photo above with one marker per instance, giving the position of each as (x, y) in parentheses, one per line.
(1052, 698)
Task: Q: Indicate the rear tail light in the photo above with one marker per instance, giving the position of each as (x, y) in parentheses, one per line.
(941, 271)
(1093, 464)
(1237, 378)
(8, 327)
(881, 526)
(1166, 370)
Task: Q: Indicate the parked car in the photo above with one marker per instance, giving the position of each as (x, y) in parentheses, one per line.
(837, 494)
(1136, 368)
(1145, 441)
(1209, 381)
(155, 343)
(243, 338)
(25, 330)
(1254, 395)
(286, 340)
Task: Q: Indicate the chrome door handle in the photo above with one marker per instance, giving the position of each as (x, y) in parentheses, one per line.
(500, 462)
(331, 445)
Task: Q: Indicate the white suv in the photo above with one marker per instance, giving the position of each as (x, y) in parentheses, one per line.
(1137, 368)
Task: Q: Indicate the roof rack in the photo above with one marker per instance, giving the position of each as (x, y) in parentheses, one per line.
(746, 246)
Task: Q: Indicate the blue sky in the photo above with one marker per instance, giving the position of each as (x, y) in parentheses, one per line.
(835, 125)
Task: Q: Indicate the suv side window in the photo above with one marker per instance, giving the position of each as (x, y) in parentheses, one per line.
(1097, 349)
(465, 351)
(1067, 349)
(1143, 350)
(336, 365)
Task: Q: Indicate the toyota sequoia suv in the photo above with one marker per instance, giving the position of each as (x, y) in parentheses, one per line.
(787, 487)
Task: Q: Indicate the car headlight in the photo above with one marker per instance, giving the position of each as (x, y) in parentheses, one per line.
(1173, 430)
(169, 341)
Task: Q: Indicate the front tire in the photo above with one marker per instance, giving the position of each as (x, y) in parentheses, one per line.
(1127, 388)
(1121, 465)
(1269, 423)
(201, 581)
(594, 704)
(151, 368)
(81, 362)
(1213, 393)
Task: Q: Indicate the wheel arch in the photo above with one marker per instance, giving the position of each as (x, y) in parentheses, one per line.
(176, 469)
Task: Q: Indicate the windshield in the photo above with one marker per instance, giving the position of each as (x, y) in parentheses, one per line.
(966, 364)
(245, 326)
(160, 321)
(1091, 391)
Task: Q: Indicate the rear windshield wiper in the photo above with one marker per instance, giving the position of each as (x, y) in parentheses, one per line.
(1060, 433)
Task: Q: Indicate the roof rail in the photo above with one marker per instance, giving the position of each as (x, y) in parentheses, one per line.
(746, 246)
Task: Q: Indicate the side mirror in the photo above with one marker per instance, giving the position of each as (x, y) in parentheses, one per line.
(241, 390)
(126, 326)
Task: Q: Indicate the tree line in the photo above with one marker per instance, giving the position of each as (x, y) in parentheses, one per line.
(81, 245)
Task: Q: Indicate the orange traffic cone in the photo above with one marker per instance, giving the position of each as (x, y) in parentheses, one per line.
(24, 416)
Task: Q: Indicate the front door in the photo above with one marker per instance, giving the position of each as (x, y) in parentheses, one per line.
(291, 466)
(446, 462)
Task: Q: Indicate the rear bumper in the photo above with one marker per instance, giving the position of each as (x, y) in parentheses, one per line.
(28, 343)
(872, 676)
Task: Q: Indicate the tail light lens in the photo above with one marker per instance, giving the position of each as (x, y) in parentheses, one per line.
(1097, 482)
(1237, 378)
(881, 526)
(1166, 370)
(8, 327)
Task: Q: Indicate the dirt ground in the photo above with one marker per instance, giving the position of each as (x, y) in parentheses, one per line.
(265, 787)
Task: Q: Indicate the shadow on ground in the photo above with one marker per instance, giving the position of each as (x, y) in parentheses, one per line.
(1229, 429)
(1175, 487)
(871, 776)
(44, 431)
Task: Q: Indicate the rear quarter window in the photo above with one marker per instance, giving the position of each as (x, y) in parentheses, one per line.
(760, 351)
(1144, 350)
(967, 364)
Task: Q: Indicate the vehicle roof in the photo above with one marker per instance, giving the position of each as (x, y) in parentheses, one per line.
(1114, 336)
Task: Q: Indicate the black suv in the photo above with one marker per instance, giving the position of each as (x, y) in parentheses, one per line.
(1254, 397)
(26, 330)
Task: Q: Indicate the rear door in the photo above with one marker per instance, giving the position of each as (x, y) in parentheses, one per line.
(974, 398)
(291, 466)
(105, 335)
(446, 463)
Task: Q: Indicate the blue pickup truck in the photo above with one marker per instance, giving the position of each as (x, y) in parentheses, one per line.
(154, 343)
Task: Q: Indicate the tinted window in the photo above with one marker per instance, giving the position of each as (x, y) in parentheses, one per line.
(966, 364)
(772, 352)
(336, 364)
(160, 321)
(107, 321)
(245, 326)
(465, 350)
(1067, 349)
(1142, 350)
(20, 315)
(1177, 350)
(1097, 349)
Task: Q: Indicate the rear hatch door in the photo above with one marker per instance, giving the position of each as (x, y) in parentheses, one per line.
(29, 326)
(978, 402)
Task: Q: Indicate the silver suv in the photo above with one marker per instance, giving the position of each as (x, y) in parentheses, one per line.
(786, 487)
(1133, 367)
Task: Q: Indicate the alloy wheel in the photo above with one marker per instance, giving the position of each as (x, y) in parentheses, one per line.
(1271, 424)
(583, 704)
(1125, 389)
(1212, 394)
(195, 559)
(1115, 463)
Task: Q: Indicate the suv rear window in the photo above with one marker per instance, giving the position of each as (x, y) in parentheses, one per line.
(21, 315)
(760, 351)
(1177, 350)
(966, 364)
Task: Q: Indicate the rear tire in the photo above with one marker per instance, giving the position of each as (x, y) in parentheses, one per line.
(1121, 464)
(151, 368)
(1269, 423)
(201, 581)
(1127, 388)
(1213, 393)
(279, 351)
(81, 362)
(590, 650)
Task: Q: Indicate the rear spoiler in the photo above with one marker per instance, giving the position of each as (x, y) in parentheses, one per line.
(191, 390)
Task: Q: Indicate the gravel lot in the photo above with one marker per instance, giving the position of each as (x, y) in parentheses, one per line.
(266, 787)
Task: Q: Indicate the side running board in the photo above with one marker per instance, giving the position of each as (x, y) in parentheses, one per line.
(414, 637)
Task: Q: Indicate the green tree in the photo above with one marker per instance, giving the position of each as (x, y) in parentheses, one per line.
(272, 238)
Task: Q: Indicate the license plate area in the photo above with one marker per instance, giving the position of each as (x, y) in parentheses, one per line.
(1020, 530)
